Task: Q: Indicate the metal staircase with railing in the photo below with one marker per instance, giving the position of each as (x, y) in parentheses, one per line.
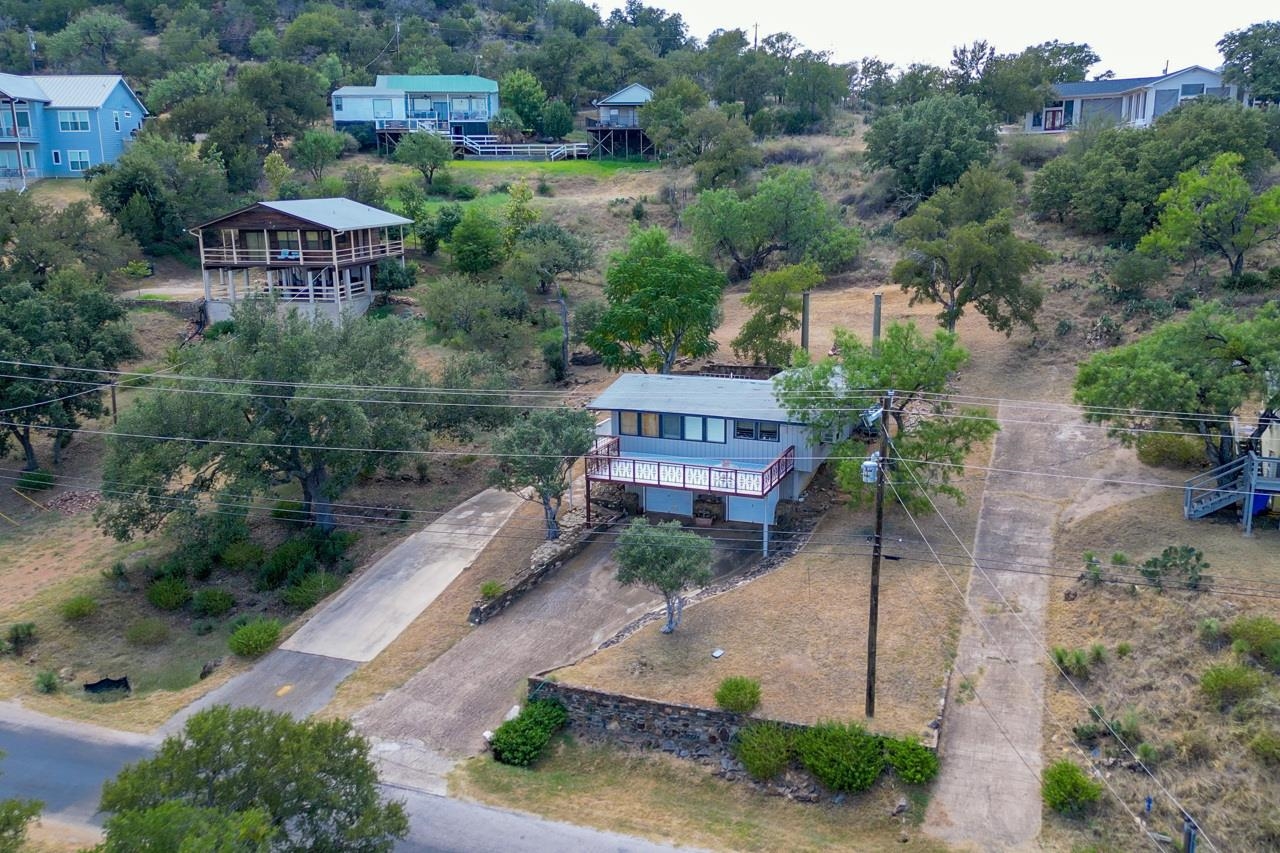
(1236, 482)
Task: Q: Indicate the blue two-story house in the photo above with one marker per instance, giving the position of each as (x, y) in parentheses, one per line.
(675, 440)
(58, 126)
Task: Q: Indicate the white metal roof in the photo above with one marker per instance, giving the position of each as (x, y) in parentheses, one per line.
(693, 395)
(78, 90)
(632, 95)
(21, 88)
(338, 214)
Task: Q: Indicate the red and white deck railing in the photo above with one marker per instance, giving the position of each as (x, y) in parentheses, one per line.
(606, 463)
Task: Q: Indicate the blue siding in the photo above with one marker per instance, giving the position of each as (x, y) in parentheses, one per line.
(102, 141)
(672, 501)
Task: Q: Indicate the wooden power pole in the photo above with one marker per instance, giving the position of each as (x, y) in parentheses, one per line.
(877, 551)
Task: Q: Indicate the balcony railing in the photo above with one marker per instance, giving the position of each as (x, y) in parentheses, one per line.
(221, 256)
(6, 132)
(290, 294)
(606, 462)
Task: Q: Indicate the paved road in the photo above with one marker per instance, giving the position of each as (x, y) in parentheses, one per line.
(62, 763)
(446, 707)
(988, 791)
(366, 616)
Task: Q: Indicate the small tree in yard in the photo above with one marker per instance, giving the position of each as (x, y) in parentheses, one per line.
(390, 276)
(426, 152)
(665, 558)
(538, 453)
(776, 298)
(316, 150)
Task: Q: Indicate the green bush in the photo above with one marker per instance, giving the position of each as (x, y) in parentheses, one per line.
(1072, 662)
(291, 511)
(1066, 789)
(1259, 637)
(47, 681)
(78, 607)
(242, 555)
(915, 764)
(20, 636)
(738, 694)
(1227, 684)
(1265, 747)
(1170, 451)
(489, 590)
(291, 555)
(1124, 649)
(254, 639)
(311, 589)
(169, 593)
(842, 756)
(520, 741)
(35, 481)
(764, 749)
(147, 632)
(1148, 754)
(218, 329)
(212, 602)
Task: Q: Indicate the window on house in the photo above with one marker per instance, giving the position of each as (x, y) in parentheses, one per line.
(128, 113)
(1192, 90)
(115, 120)
(756, 430)
(57, 158)
(715, 430)
(649, 424)
(671, 427)
(77, 161)
(8, 159)
(629, 423)
(744, 429)
(337, 105)
(693, 428)
(768, 432)
(382, 108)
(73, 121)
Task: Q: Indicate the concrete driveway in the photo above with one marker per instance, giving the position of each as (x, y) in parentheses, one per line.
(360, 621)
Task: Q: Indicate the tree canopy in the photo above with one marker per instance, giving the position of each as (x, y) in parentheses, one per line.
(776, 298)
(426, 152)
(930, 447)
(665, 558)
(269, 407)
(784, 215)
(538, 452)
(930, 144)
(259, 779)
(1190, 375)
(37, 241)
(1252, 59)
(1216, 210)
(663, 303)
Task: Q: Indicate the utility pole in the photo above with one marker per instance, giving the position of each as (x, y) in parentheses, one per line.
(755, 38)
(31, 43)
(804, 321)
(877, 297)
(877, 550)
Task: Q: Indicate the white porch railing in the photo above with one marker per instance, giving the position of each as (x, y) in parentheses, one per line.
(607, 463)
(243, 256)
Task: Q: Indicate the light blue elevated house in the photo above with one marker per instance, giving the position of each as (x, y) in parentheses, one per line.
(1131, 101)
(454, 104)
(58, 126)
(680, 440)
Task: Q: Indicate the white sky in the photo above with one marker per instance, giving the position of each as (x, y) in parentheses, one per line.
(1134, 39)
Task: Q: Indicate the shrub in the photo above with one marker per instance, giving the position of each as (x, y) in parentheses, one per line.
(914, 763)
(291, 511)
(738, 694)
(1072, 662)
(1097, 653)
(212, 602)
(1148, 754)
(169, 593)
(1259, 637)
(1032, 150)
(1210, 631)
(78, 607)
(1227, 684)
(20, 636)
(290, 555)
(35, 481)
(242, 555)
(489, 590)
(1066, 789)
(311, 589)
(1265, 747)
(1124, 649)
(764, 749)
(842, 756)
(218, 329)
(255, 638)
(520, 741)
(47, 681)
(147, 632)
(1170, 451)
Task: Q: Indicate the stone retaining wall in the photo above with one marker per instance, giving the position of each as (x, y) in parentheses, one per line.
(575, 535)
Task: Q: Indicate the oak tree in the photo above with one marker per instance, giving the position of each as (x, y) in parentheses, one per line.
(665, 558)
(537, 452)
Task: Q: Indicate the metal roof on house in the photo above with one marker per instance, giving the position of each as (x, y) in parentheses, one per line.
(461, 83)
(366, 91)
(335, 214)
(78, 90)
(1118, 86)
(632, 95)
(693, 395)
(21, 88)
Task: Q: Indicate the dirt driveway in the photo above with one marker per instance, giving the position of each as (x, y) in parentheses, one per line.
(446, 707)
